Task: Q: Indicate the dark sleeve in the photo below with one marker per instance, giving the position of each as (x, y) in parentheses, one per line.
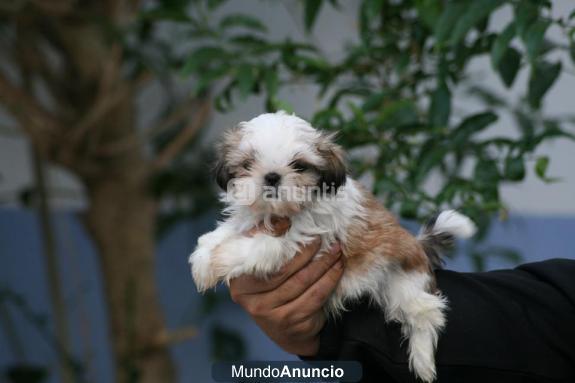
(502, 326)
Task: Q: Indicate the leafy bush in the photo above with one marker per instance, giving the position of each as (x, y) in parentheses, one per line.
(395, 88)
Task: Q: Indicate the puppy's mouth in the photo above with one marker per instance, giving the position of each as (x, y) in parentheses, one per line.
(276, 206)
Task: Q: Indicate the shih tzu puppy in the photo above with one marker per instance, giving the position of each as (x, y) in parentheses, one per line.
(278, 165)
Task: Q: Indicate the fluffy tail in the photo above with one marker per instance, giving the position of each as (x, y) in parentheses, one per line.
(439, 234)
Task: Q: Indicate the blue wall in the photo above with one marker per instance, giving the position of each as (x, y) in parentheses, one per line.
(22, 270)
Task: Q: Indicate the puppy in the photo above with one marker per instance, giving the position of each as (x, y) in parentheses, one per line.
(278, 165)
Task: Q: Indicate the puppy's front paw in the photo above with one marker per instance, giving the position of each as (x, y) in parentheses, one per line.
(202, 272)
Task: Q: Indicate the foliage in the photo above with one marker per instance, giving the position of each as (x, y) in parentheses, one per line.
(397, 87)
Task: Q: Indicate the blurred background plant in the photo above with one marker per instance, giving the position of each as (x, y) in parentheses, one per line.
(72, 74)
(392, 92)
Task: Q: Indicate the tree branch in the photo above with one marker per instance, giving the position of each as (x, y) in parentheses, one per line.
(25, 108)
(181, 112)
(106, 101)
(184, 137)
(166, 338)
(56, 7)
(97, 112)
(177, 115)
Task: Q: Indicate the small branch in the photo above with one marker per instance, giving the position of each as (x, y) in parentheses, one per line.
(11, 333)
(177, 115)
(57, 7)
(167, 338)
(110, 71)
(98, 111)
(127, 143)
(108, 97)
(25, 107)
(13, 6)
(184, 137)
(53, 271)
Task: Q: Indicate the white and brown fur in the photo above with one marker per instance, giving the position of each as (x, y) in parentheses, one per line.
(382, 260)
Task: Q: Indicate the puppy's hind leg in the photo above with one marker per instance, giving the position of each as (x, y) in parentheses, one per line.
(421, 316)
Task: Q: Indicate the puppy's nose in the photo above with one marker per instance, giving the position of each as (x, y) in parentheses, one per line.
(272, 179)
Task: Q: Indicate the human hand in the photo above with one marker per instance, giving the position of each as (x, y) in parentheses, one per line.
(288, 305)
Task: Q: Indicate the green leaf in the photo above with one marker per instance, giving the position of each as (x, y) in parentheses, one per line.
(470, 126)
(501, 44)
(478, 261)
(543, 76)
(541, 166)
(250, 41)
(440, 106)
(474, 13)
(241, 20)
(176, 15)
(371, 9)
(572, 51)
(409, 209)
(213, 4)
(429, 11)
(375, 101)
(533, 37)
(202, 57)
(275, 104)
(246, 79)
(486, 173)
(525, 123)
(447, 20)
(525, 15)
(430, 155)
(487, 96)
(509, 66)
(311, 11)
(396, 113)
(271, 82)
(514, 168)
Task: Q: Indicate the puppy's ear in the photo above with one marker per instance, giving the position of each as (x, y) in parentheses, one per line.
(230, 141)
(222, 173)
(334, 170)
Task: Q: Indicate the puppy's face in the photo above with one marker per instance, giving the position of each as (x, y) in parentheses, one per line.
(277, 163)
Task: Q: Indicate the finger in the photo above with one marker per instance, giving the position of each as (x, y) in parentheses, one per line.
(313, 299)
(305, 277)
(308, 327)
(248, 284)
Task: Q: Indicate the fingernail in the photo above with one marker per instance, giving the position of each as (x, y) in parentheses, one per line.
(335, 248)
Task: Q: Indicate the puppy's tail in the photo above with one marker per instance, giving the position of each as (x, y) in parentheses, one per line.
(439, 234)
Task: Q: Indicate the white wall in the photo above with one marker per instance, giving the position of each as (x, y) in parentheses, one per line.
(332, 30)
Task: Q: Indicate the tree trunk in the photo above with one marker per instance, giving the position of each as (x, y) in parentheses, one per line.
(121, 220)
(94, 107)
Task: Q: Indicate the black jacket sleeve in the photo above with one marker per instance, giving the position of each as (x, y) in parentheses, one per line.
(502, 326)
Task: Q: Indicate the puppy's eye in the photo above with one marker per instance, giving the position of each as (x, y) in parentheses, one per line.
(300, 166)
(247, 164)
